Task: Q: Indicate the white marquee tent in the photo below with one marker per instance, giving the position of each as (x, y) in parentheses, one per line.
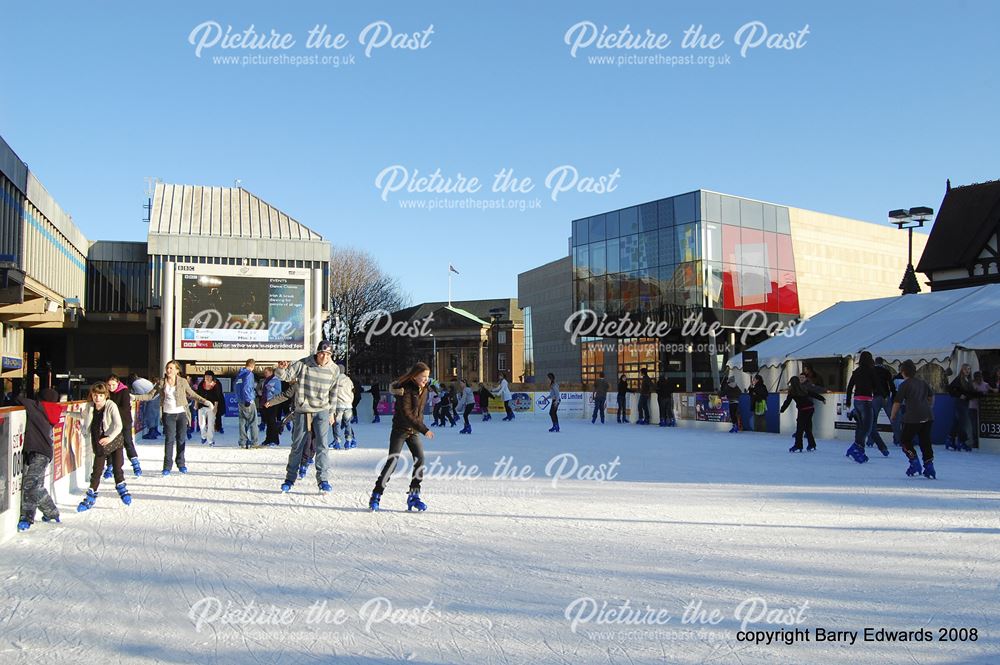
(943, 327)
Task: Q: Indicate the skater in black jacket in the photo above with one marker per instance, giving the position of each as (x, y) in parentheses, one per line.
(758, 403)
(622, 399)
(376, 398)
(410, 391)
(645, 391)
(732, 392)
(665, 401)
(37, 455)
(484, 401)
(803, 398)
(862, 386)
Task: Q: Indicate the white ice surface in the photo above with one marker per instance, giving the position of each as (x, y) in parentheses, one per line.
(690, 516)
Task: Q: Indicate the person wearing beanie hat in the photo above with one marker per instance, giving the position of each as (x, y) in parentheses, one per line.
(315, 404)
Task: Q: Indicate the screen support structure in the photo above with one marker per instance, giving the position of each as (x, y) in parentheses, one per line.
(167, 314)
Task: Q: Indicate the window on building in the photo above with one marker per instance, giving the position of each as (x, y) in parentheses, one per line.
(502, 361)
(635, 354)
(502, 337)
(591, 360)
(529, 351)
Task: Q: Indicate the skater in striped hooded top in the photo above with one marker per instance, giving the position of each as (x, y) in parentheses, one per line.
(315, 403)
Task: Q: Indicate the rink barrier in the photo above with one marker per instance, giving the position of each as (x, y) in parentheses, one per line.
(67, 475)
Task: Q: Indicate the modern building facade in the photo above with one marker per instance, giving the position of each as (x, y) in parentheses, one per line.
(716, 260)
(545, 294)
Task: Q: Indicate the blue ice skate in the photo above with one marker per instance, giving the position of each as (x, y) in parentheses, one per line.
(123, 494)
(413, 501)
(915, 468)
(88, 501)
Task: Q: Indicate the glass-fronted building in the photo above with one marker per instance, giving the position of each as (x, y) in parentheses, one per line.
(669, 261)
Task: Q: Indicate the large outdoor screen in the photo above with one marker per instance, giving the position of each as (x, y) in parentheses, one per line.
(228, 313)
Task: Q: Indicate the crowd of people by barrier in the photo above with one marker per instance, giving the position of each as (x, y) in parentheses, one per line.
(317, 401)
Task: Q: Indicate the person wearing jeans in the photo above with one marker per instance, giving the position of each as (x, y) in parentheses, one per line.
(245, 386)
(862, 387)
(601, 388)
(315, 401)
(882, 399)
(343, 411)
(173, 393)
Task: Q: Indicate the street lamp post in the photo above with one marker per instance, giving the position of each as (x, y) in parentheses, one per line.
(910, 219)
(434, 355)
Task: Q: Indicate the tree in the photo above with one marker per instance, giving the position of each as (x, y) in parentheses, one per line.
(358, 287)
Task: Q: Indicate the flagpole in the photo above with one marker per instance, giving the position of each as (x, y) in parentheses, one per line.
(449, 285)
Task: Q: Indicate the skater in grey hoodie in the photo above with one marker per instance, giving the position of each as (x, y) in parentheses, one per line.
(466, 403)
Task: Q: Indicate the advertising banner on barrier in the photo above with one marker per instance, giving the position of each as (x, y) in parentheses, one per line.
(571, 405)
(989, 416)
(67, 441)
(519, 402)
(712, 408)
(843, 419)
(12, 424)
(5, 465)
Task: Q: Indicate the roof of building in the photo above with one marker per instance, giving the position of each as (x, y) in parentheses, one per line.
(478, 310)
(968, 216)
(223, 212)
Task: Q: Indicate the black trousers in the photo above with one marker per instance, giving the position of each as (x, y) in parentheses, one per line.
(804, 426)
(129, 440)
(375, 401)
(734, 414)
(553, 413)
(510, 411)
(396, 440)
(272, 425)
(622, 418)
(644, 408)
(465, 413)
(922, 432)
(666, 405)
(117, 458)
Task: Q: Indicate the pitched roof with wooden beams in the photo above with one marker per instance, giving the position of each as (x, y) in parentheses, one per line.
(968, 217)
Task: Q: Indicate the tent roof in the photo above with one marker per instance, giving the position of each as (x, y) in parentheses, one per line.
(921, 327)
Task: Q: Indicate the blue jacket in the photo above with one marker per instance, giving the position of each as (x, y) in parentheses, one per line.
(272, 388)
(245, 386)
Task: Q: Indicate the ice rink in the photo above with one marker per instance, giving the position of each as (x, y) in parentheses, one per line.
(598, 544)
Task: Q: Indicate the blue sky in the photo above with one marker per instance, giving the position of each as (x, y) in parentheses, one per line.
(882, 102)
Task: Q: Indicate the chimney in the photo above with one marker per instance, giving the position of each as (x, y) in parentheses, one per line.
(947, 185)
